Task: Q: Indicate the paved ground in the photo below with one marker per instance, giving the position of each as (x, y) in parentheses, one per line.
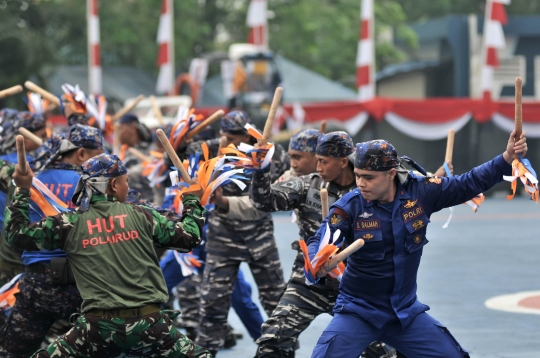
(493, 252)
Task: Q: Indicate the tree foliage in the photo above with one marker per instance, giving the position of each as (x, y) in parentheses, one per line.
(37, 35)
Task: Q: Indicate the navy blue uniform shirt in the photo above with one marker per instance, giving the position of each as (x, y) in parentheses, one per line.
(379, 283)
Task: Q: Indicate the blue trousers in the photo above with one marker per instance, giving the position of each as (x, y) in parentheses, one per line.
(347, 335)
(241, 301)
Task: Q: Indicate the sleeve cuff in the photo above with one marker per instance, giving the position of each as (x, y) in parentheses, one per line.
(22, 191)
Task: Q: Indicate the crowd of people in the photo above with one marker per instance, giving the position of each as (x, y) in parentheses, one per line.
(95, 247)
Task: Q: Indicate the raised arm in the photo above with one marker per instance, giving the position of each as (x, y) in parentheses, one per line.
(282, 196)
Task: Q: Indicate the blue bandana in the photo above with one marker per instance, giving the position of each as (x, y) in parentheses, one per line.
(305, 140)
(335, 144)
(234, 122)
(95, 178)
(380, 155)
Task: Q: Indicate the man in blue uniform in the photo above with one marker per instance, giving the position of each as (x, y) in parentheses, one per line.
(390, 211)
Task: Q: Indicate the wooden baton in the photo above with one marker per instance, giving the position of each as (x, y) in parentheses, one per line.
(174, 157)
(322, 128)
(271, 115)
(21, 154)
(27, 134)
(324, 203)
(137, 153)
(127, 108)
(222, 144)
(450, 146)
(348, 251)
(45, 94)
(157, 111)
(208, 121)
(518, 110)
(11, 91)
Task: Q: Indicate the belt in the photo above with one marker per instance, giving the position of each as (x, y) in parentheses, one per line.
(38, 268)
(126, 312)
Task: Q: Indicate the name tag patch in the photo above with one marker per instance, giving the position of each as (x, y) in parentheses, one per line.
(367, 224)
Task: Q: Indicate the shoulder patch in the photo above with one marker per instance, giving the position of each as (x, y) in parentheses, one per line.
(292, 183)
(435, 180)
(338, 215)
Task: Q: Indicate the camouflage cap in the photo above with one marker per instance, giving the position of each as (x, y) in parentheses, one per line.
(376, 155)
(234, 122)
(335, 144)
(96, 174)
(305, 140)
(7, 114)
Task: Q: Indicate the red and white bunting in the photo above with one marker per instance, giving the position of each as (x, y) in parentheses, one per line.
(493, 40)
(257, 23)
(165, 40)
(94, 62)
(365, 58)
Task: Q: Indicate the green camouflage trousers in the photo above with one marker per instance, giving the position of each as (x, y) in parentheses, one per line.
(149, 336)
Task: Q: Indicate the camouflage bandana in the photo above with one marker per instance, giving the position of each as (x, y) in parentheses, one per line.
(78, 119)
(12, 123)
(305, 140)
(78, 136)
(335, 144)
(234, 122)
(380, 155)
(95, 177)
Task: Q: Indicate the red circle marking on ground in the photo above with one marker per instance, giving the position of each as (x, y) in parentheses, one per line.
(530, 302)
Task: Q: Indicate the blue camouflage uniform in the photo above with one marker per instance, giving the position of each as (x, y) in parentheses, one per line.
(377, 299)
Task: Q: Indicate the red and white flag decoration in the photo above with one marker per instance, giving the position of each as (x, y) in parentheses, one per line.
(493, 40)
(94, 62)
(165, 40)
(258, 24)
(365, 58)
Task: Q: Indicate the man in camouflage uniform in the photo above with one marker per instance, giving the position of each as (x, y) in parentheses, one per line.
(300, 303)
(232, 241)
(10, 122)
(31, 318)
(110, 248)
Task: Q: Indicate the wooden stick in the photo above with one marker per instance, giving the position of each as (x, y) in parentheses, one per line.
(127, 108)
(157, 111)
(222, 144)
(116, 139)
(322, 128)
(518, 109)
(137, 153)
(45, 94)
(11, 91)
(208, 121)
(324, 203)
(449, 146)
(34, 138)
(174, 157)
(348, 251)
(271, 115)
(21, 154)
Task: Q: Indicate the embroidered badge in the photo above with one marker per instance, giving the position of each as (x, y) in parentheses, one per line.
(335, 219)
(418, 224)
(367, 236)
(365, 215)
(435, 180)
(413, 213)
(417, 238)
(410, 204)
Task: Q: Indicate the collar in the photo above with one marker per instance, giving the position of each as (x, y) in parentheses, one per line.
(97, 198)
(402, 194)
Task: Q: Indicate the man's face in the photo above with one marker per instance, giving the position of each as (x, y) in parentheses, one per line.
(127, 134)
(330, 168)
(236, 139)
(303, 163)
(121, 188)
(374, 185)
(29, 145)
